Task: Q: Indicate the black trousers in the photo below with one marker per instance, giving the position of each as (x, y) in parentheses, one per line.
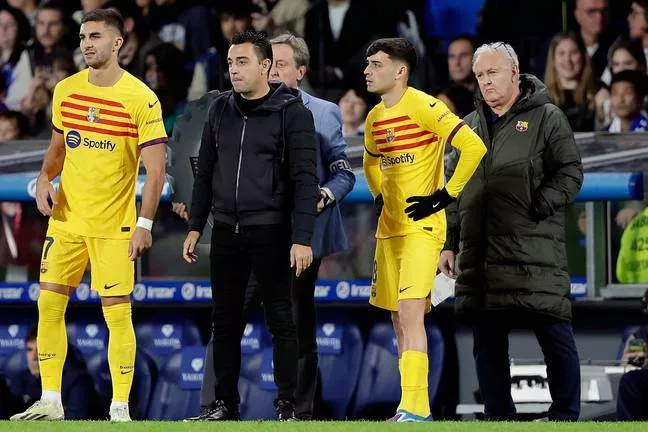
(303, 309)
(491, 352)
(264, 250)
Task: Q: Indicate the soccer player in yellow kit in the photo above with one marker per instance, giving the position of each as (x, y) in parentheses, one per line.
(103, 119)
(405, 137)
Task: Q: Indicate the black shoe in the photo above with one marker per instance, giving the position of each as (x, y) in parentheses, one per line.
(219, 411)
(285, 410)
(204, 410)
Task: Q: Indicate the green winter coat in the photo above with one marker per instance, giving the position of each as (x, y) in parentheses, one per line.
(508, 223)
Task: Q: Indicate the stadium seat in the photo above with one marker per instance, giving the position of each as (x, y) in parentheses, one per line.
(13, 365)
(161, 339)
(177, 392)
(257, 388)
(144, 379)
(90, 338)
(378, 391)
(12, 339)
(340, 348)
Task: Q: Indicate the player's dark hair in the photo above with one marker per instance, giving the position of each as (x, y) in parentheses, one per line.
(636, 78)
(260, 40)
(111, 17)
(396, 48)
(32, 334)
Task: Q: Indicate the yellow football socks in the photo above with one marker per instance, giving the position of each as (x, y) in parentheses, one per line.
(51, 339)
(414, 383)
(121, 349)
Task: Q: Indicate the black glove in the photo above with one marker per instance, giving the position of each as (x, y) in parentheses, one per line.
(378, 204)
(424, 206)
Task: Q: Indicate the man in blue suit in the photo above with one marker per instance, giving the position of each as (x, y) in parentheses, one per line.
(290, 61)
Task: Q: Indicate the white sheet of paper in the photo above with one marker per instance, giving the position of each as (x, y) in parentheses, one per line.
(444, 287)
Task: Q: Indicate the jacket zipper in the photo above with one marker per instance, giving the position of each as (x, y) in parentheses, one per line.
(238, 172)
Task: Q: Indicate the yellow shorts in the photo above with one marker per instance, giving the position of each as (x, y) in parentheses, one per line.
(404, 268)
(65, 257)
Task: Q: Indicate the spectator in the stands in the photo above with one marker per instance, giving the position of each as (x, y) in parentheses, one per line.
(166, 75)
(37, 103)
(638, 23)
(28, 7)
(13, 125)
(354, 108)
(183, 24)
(15, 65)
(138, 39)
(570, 82)
(458, 98)
(87, 6)
(52, 36)
(337, 32)
(628, 93)
(624, 54)
(280, 16)
(233, 17)
(632, 397)
(3, 93)
(592, 17)
(78, 391)
(460, 55)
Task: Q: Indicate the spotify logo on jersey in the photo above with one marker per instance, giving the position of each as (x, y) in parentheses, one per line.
(73, 139)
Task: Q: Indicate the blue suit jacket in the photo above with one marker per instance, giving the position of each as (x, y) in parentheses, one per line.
(334, 173)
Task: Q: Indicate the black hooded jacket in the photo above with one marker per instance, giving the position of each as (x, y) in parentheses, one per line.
(258, 168)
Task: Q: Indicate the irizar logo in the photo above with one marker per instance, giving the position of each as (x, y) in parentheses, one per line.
(100, 145)
(405, 158)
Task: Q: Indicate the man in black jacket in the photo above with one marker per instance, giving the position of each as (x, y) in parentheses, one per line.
(257, 175)
(510, 234)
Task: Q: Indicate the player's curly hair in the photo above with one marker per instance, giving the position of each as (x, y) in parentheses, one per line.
(396, 48)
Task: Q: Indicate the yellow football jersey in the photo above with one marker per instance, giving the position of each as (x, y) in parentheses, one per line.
(404, 147)
(104, 129)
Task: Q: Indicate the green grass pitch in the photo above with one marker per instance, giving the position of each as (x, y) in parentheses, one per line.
(260, 426)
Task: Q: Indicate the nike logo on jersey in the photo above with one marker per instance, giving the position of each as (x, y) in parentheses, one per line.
(435, 205)
(126, 372)
(404, 289)
(110, 286)
(432, 105)
(151, 105)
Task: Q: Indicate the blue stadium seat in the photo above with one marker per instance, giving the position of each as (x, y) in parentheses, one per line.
(13, 365)
(90, 338)
(257, 388)
(177, 393)
(143, 382)
(162, 339)
(12, 339)
(340, 348)
(379, 382)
